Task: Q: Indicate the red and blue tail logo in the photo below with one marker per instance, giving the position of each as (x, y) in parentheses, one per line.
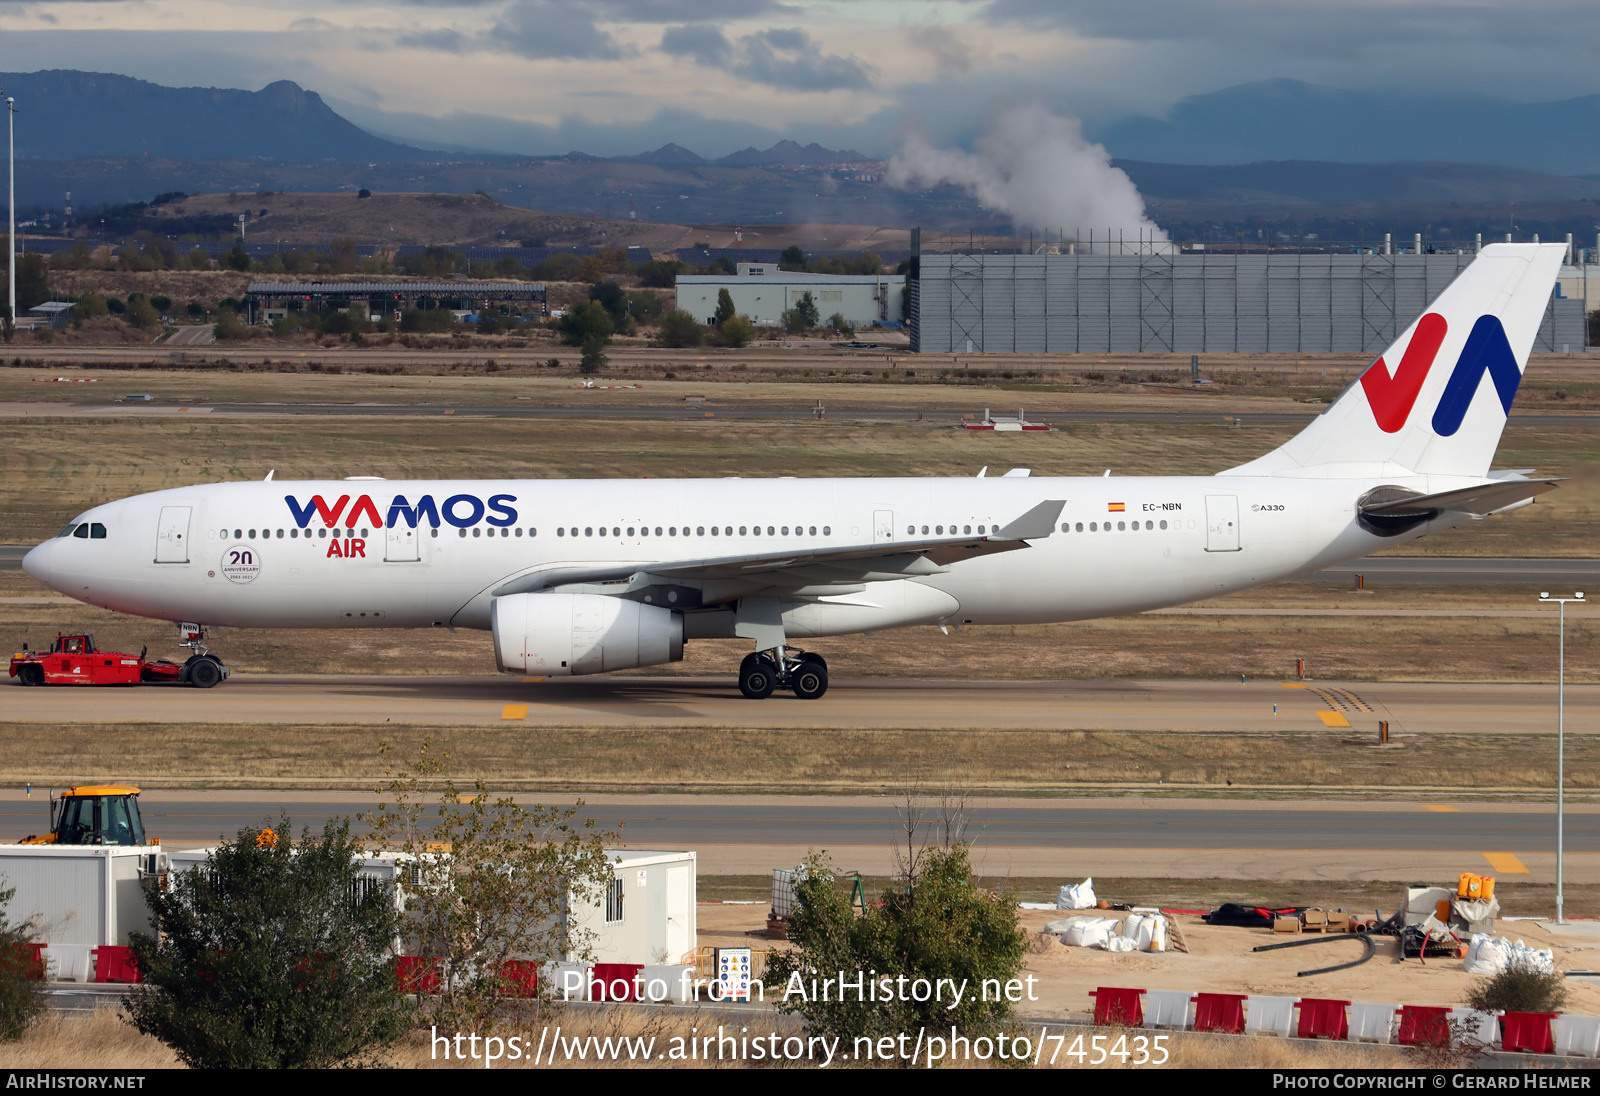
(1393, 395)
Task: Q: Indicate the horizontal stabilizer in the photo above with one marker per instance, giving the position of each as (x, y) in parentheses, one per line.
(1484, 499)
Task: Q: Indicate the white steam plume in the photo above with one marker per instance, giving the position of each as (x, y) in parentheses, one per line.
(1037, 168)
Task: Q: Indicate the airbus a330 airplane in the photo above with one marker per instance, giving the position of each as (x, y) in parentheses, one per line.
(582, 577)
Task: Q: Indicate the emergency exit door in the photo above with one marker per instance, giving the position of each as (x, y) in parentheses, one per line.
(172, 535)
(1222, 523)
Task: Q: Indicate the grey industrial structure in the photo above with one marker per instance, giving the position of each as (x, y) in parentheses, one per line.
(1188, 303)
(764, 291)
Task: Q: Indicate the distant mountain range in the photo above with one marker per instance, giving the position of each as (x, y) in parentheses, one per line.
(1293, 120)
(1260, 152)
(69, 115)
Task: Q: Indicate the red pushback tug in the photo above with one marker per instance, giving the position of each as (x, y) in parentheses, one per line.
(75, 660)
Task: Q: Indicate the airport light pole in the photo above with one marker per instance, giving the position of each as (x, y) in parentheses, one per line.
(1561, 738)
(11, 172)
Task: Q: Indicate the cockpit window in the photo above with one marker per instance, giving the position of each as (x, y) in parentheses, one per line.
(97, 531)
(67, 532)
(83, 531)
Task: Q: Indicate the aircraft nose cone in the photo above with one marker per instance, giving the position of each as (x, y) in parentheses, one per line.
(37, 563)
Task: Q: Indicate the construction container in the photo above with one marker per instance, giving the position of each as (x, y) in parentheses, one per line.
(80, 895)
(1470, 886)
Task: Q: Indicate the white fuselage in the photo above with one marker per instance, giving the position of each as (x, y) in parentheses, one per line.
(264, 554)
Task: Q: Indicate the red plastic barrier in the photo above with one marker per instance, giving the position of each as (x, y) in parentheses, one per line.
(614, 981)
(113, 963)
(417, 973)
(1219, 1012)
(1323, 1018)
(1117, 1007)
(1424, 1026)
(1528, 1032)
(519, 978)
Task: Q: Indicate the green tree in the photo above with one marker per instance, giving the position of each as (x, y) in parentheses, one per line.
(935, 922)
(793, 258)
(806, 309)
(90, 305)
(237, 257)
(679, 329)
(736, 331)
(614, 299)
(840, 325)
(22, 996)
(592, 359)
(197, 259)
(725, 310)
(500, 896)
(661, 273)
(141, 313)
(273, 954)
(584, 323)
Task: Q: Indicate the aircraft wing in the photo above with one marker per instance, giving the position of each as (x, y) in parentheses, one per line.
(721, 578)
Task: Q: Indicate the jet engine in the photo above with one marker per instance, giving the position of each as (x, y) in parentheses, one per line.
(571, 634)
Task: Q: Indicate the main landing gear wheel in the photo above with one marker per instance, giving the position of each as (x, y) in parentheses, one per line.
(809, 680)
(757, 677)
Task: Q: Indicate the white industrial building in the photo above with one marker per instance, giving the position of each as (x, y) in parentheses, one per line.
(763, 292)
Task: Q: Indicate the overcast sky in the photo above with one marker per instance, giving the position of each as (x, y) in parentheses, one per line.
(619, 76)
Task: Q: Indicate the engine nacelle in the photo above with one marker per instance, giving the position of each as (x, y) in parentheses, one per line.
(557, 635)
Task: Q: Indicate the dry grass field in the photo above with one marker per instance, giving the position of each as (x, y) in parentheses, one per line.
(520, 756)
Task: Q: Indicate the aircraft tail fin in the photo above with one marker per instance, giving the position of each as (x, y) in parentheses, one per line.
(1435, 402)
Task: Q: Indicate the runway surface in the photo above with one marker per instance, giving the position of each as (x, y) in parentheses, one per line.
(851, 704)
(1065, 837)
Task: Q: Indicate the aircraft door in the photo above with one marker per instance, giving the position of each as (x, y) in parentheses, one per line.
(1222, 523)
(882, 526)
(402, 544)
(172, 535)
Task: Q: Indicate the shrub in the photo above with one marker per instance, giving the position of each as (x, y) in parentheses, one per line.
(594, 356)
(502, 895)
(1520, 987)
(22, 997)
(736, 331)
(679, 329)
(934, 923)
(272, 955)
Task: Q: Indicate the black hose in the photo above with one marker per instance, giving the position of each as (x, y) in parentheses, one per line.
(1371, 949)
(1318, 939)
(1364, 938)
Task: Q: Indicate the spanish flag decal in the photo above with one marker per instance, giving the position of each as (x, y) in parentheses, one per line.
(1116, 507)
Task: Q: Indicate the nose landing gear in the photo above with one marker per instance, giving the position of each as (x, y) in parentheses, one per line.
(203, 670)
(803, 672)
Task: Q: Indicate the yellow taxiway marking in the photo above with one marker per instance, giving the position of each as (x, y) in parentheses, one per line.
(532, 680)
(514, 711)
(1440, 808)
(1334, 719)
(1506, 862)
(1293, 685)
